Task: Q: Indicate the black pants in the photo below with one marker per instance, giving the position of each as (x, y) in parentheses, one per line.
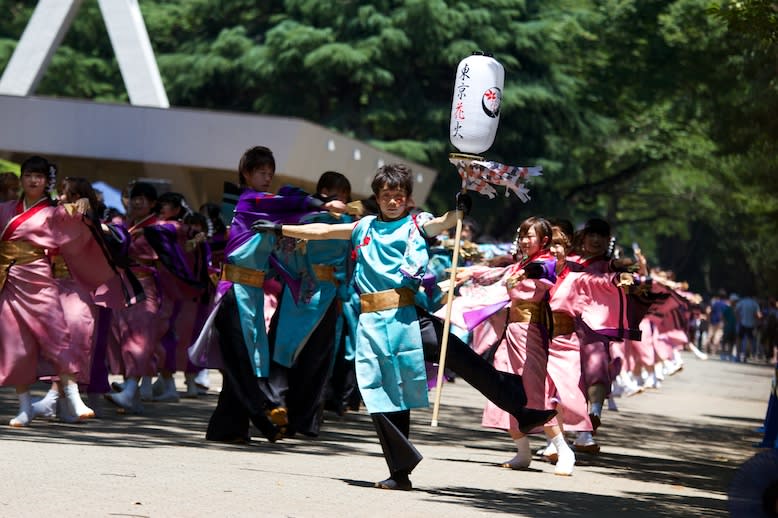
(503, 389)
(393, 429)
(241, 401)
(341, 392)
(300, 388)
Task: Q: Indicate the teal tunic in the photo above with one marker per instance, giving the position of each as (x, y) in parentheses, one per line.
(254, 253)
(350, 322)
(389, 356)
(299, 318)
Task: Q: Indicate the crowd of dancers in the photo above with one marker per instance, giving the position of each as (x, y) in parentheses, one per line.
(310, 301)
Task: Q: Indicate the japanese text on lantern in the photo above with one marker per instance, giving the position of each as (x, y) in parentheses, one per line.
(459, 111)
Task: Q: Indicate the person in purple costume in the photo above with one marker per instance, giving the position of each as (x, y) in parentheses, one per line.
(239, 319)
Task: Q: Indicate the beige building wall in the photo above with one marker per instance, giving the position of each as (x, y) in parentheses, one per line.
(196, 150)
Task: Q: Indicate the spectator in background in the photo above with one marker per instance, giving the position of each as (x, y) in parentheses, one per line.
(748, 315)
(10, 187)
(716, 322)
(729, 329)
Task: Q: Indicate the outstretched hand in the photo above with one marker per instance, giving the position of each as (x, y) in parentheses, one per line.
(336, 206)
(265, 226)
(624, 264)
(81, 205)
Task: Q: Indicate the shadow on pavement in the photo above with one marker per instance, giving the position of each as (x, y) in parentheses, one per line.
(692, 454)
(572, 504)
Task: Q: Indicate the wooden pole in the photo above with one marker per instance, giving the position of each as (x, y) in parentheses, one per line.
(447, 322)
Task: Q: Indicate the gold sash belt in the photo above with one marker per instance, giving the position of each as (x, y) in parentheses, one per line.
(17, 252)
(151, 263)
(241, 275)
(527, 312)
(60, 268)
(564, 324)
(386, 299)
(324, 272)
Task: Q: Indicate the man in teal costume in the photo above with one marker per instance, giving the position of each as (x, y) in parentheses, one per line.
(303, 332)
(238, 316)
(395, 336)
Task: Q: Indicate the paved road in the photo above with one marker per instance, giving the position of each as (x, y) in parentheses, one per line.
(669, 453)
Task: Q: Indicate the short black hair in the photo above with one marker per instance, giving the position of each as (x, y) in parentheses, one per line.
(393, 176)
(333, 180)
(253, 159)
(597, 226)
(144, 189)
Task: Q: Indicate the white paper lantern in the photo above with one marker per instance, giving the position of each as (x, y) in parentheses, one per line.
(475, 109)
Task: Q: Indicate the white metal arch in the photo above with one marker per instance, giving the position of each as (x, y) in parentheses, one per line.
(129, 38)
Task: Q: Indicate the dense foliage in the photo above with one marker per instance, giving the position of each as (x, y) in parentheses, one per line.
(658, 115)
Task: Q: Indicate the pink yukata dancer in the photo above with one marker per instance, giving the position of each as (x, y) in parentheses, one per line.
(135, 332)
(81, 307)
(183, 280)
(199, 258)
(639, 355)
(563, 382)
(35, 339)
(662, 332)
(617, 302)
(600, 360)
(669, 321)
(523, 346)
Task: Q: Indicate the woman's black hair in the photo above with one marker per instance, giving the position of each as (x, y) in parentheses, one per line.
(597, 226)
(38, 164)
(213, 213)
(176, 200)
(82, 188)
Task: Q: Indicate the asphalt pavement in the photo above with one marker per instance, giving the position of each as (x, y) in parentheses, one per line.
(668, 452)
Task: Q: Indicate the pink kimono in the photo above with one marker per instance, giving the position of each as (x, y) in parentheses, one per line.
(640, 353)
(669, 323)
(563, 383)
(601, 358)
(80, 316)
(525, 348)
(135, 330)
(178, 310)
(35, 339)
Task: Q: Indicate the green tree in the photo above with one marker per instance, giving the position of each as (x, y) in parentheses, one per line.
(655, 114)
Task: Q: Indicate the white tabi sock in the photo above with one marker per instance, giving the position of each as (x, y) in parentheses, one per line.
(659, 371)
(523, 456)
(46, 407)
(75, 404)
(584, 439)
(566, 459)
(25, 411)
(548, 450)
